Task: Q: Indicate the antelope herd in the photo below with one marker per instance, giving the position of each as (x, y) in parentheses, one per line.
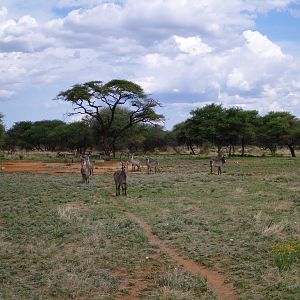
(120, 177)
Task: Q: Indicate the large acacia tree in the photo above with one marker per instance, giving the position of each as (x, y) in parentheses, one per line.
(94, 97)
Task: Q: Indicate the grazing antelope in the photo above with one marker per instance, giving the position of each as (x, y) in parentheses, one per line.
(68, 157)
(152, 165)
(120, 178)
(105, 157)
(217, 163)
(85, 171)
(135, 163)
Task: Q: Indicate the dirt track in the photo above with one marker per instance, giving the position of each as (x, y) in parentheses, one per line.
(56, 168)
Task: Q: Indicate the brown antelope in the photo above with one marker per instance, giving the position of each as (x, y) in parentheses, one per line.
(85, 171)
(217, 163)
(90, 164)
(152, 165)
(135, 163)
(68, 157)
(104, 157)
(120, 178)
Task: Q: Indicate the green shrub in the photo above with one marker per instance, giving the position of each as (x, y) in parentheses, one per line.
(285, 254)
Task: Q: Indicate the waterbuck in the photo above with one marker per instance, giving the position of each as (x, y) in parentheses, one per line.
(105, 157)
(90, 164)
(120, 178)
(135, 163)
(85, 171)
(217, 163)
(152, 165)
(69, 157)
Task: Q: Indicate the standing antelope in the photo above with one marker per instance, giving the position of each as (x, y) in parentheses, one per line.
(120, 178)
(85, 171)
(90, 165)
(152, 165)
(217, 163)
(135, 163)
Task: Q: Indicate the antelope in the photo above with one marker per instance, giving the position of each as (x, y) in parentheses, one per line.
(151, 165)
(85, 171)
(135, 163)
(90, 164)
(217, 163)
(69, 157)
(120, 178)
(104, 157)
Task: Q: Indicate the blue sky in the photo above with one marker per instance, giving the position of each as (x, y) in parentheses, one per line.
(279, 26)
(186, 53)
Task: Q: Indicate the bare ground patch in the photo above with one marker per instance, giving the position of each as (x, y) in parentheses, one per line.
(56, 168)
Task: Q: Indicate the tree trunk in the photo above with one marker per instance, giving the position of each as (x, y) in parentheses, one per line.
(292, 150)
(243, 147)
(230, 148)
(187, 146)
(191, 147)
(114, 150)
(106, 145)
(273, 149)
(219, 150)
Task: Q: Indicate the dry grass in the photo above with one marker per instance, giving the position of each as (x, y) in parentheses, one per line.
(68, 210)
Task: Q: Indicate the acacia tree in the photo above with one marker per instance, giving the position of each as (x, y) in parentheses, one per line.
(16, 136)
(242, 126)
(39, 135)
(184, 135)
(209, 124)
(90, 98)
(278, 129)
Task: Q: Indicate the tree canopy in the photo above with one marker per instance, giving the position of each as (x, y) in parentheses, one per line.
(278, 129)
(211, 125)
(101, 101)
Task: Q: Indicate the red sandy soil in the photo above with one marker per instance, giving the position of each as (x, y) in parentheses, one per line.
(56, 168)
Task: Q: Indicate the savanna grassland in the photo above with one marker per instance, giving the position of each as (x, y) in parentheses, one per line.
(61, 239)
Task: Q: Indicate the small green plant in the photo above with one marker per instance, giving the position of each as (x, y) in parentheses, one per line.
(285, 254)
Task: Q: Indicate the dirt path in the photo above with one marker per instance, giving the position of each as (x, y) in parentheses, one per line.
(216, 281)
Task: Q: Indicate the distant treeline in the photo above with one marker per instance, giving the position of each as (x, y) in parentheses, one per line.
(212, 125)
(215, 125)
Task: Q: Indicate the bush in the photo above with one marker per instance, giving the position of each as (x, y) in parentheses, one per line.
(285, 254)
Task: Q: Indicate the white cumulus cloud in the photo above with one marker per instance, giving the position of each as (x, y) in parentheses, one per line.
(261, 45)
(186, 51)
(192, 45)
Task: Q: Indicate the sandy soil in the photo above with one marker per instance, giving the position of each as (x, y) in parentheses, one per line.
(56, 168)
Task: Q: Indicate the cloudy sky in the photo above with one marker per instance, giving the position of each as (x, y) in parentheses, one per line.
(185, 53)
